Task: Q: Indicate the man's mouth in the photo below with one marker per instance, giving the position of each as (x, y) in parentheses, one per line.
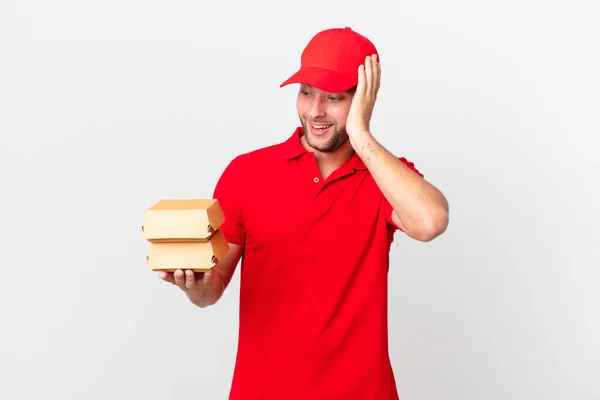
(320, 128)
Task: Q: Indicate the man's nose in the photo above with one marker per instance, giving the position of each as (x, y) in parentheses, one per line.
(317, 108)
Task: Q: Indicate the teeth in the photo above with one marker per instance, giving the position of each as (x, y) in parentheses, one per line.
(320, 126)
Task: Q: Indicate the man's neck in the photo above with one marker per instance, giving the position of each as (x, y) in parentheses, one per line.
(328, 162)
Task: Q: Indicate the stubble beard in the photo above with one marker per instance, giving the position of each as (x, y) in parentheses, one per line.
(337, 138)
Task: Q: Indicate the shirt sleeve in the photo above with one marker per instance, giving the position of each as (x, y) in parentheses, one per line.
(229, 192)
(387, 208)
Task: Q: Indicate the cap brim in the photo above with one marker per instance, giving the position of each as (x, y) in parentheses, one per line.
(324, 79)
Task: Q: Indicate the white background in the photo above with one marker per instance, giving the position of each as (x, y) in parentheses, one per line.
(107, 107)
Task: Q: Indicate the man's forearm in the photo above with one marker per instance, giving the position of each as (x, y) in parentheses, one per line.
(421, 208)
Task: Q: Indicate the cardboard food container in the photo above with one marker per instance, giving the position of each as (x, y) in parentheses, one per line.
(184, 234)
(182, 220)
(197, 256)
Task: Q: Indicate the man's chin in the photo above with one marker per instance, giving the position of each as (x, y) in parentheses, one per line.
(326, 145)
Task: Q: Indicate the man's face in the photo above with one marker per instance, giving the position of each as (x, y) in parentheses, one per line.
(323, 117)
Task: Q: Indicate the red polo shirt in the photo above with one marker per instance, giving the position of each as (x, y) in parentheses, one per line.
(313, 300)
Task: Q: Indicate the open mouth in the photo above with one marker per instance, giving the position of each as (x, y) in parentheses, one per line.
(320, 128)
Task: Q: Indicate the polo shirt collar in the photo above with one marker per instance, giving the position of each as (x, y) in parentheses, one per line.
(293, 148)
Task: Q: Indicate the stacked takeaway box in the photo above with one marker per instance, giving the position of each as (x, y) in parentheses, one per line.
(184, 234)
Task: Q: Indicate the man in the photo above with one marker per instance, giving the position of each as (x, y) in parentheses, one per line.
(314, 218)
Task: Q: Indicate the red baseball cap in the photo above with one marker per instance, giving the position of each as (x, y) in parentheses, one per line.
(331, 59)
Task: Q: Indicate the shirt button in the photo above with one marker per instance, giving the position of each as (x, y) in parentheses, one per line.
(316, 179)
